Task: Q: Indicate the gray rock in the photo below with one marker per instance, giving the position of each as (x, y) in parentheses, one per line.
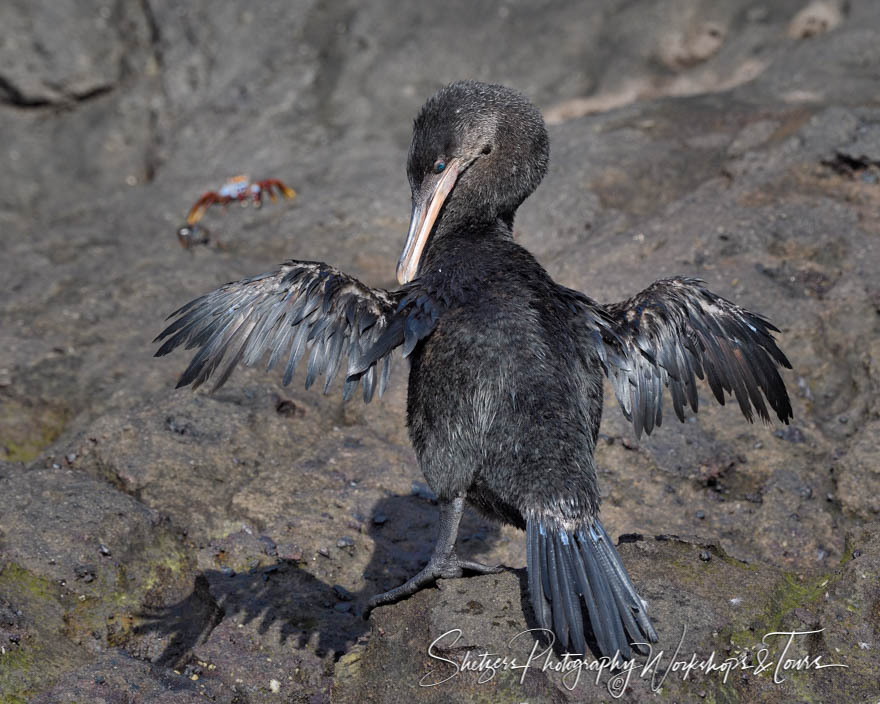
(720, 606)
(116, 676)
(857, 475)
(712, 144)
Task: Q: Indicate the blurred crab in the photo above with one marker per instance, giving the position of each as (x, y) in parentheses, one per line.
(238, 188)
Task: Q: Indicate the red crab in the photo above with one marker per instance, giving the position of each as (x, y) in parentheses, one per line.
(238, 188)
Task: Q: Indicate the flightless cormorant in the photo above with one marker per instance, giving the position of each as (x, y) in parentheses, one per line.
(506, 366)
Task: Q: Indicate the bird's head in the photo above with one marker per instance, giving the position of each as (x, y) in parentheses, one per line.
(478, 151)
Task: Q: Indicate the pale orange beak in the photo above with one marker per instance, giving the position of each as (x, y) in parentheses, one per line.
(424, 215)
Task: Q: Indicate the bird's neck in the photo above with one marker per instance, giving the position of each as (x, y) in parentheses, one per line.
(456, 221)
(468, 236)
(465, 256)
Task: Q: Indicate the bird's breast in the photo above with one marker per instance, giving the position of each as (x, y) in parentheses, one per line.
(483, 368)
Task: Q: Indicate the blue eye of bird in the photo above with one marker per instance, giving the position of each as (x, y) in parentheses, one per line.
(439, 165)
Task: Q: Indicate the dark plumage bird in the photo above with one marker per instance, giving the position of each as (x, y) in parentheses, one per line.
(506, 366)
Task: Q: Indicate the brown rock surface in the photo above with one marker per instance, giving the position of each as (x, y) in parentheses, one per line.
(158, 545)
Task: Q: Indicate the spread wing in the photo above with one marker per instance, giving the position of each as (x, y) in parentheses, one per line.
(676, 331)
(300, 307)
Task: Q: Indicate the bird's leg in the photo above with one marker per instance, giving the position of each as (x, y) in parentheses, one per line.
(444, 563)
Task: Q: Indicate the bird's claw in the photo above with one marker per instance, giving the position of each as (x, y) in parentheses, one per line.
(448, 567)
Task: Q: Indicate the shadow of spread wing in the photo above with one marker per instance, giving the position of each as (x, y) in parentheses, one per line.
(301, 307)
(676, 331)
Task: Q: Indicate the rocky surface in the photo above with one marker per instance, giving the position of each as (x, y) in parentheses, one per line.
(160, 545)
(702, 601)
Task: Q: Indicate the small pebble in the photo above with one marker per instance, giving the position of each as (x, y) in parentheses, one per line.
(324, 551)
(792, 434)
(805, 388)
(228, 571)
(759, 445)
(705, 556)
(345, 542)
(286, 407)
(104, 550)
(843, 420)
(343, 607)
(84, 572)
(270, 547)
(628, 443)
(700, 514)
(290, 552)
(342, 593)
(380, 519)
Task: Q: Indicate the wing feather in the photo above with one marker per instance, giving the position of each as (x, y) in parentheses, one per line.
(301, 308)
(675, 332)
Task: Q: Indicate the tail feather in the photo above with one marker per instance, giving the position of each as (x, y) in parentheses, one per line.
(533, 557)
(583, 588)
(622, 599)
(628, 595)
(571, 600)
(607, 618)
(557, 599)
(570, 572)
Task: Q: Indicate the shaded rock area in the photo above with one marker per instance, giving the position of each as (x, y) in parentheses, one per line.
(160, 545)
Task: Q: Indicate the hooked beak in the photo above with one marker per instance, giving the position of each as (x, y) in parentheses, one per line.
(424, 215)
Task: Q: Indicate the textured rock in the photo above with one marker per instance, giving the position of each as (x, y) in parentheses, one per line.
(704, 604)
(77, 560)
(858, 475)
(56, 53)
(243, 531)
(116, 677)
